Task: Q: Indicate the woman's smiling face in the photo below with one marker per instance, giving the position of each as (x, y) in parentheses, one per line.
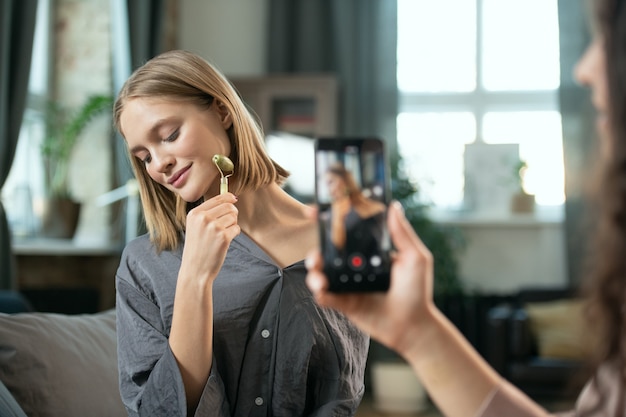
(176, 141)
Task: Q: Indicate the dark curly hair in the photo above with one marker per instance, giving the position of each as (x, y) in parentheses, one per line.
(605, 287)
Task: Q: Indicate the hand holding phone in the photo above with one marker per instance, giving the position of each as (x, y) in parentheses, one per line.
(352, 196)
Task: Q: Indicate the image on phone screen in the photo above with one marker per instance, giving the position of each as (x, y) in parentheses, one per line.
(351, 190)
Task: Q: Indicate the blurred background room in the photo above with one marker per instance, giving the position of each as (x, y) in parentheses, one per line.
(487, 134)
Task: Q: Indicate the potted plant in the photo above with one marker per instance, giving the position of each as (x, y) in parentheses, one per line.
(521, 201)
(63, 129)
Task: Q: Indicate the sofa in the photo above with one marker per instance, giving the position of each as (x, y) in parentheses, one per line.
(54, 365)
(537, 344)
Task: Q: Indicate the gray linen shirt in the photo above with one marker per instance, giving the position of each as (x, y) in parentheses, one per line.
(276, 352)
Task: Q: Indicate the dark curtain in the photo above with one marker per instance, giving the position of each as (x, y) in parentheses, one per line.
(578, 134)
(16, 43)
(353, 39)
(146, 23)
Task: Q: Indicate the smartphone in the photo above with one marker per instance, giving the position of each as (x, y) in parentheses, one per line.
(352, 190)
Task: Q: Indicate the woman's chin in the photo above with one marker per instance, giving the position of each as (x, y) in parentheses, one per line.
(604, 135)
(191, 197)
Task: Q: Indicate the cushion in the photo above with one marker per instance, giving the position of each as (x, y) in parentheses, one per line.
(13, 302)
(558, 328)
(61, 365)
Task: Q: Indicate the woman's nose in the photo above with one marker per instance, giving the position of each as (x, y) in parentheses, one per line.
(585, 68)
(162, 162)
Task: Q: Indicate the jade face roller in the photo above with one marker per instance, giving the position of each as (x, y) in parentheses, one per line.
(226, 168)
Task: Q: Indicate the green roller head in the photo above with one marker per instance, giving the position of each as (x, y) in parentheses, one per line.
(224, 164)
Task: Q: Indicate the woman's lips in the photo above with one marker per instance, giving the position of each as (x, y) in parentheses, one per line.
(178, 179)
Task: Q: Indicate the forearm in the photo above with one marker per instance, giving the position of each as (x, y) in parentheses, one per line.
(450, 368)
(191, 336)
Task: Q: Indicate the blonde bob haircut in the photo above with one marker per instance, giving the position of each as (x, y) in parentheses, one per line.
(183, 76)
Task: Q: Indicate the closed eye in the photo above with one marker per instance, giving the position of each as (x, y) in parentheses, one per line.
(147, 158)
(143, 156)
(173, 136)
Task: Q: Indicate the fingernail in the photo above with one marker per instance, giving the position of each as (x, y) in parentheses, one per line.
(398, 205)
(313, 284)
(308, 262)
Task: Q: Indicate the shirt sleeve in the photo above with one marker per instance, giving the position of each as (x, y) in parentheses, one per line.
(150, 380)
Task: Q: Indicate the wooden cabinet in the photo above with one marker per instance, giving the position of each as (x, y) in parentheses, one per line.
(305, 105)
(58, 275)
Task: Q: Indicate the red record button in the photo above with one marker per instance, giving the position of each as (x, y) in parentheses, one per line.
(357, 262)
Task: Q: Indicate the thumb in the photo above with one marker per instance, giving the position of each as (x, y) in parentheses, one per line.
(401, 231)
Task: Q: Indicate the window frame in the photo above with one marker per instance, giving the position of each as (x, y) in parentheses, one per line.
(27, 161)
(480, 101)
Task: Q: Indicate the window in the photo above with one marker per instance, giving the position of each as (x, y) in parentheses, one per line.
(482, 71)
(22, 193)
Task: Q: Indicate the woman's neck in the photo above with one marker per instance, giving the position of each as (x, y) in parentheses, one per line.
(269, 206)
(282, 226)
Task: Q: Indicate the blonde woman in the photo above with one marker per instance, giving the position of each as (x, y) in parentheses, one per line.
(213, 314)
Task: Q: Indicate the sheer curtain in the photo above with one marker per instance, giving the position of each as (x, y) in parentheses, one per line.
(138, 35)
(353, 39)
(138, 27)
(16, 42)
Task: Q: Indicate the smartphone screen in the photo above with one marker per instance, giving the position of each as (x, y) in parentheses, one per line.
(352, 195)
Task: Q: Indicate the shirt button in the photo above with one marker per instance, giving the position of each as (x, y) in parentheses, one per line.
(265, 334)
(258, 401)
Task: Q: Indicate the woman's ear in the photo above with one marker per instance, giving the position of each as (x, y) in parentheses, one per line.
(225, 117)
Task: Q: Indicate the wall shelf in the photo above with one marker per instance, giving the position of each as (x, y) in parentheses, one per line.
(53, 266)
(304, 105)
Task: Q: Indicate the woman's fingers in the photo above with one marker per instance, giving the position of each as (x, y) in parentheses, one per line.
(219, 210)
(357, 306)
(315, 278)
(401, 231)
(215, 202)
(210, 228)
(383, 315)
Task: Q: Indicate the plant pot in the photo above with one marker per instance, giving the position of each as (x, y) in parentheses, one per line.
(522, 203)
(60, 218)
(396, 389)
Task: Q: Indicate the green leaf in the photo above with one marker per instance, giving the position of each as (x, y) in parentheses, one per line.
(63, 130)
